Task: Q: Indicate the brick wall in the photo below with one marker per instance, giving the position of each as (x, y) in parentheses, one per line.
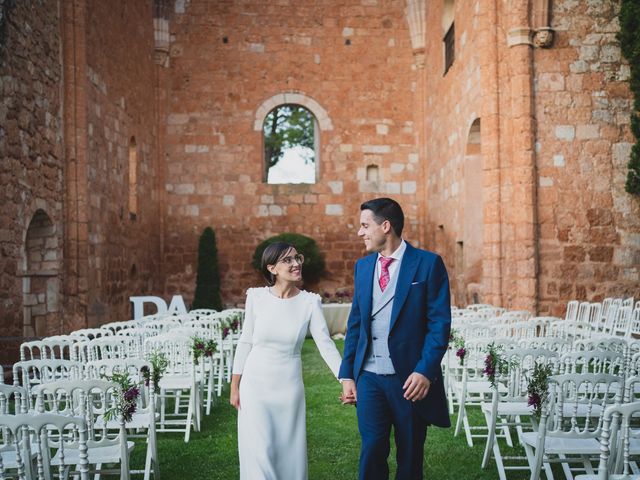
(589, 226)
(123, 249)
(353, 60)
(31, 163)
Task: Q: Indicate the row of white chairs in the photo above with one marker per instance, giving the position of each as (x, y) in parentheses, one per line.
(80, 355)
(574, 354)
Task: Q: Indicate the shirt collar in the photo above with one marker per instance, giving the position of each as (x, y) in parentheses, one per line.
(398, 253)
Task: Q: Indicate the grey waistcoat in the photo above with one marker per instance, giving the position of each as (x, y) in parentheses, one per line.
(378, 358)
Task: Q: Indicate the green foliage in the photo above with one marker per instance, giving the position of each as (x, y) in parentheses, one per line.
(629, 37)
(285, 127)
(159, 364)
(313, 267)
(538, 387)
(208, 278)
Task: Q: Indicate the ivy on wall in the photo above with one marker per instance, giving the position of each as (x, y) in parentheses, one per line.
(629, 37)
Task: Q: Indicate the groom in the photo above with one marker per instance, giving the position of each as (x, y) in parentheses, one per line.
(397, 334)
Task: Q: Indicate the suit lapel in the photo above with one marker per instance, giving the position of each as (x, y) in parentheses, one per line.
(407, 272)
(365, 289)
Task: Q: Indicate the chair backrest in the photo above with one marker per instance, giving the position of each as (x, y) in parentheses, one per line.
(572, 310)
(606, 344)
(36, 372)
(115, 327)
(113, 347)
(163, 325)
(13, 399)
(594, 316)
(622, 322)
(576, 403)
(615, 440)
(634, 330)
(558, 345)
(592, 362)
(32, 350)
(628, 302)
(177, 350)
(33, 433)
(91, 333)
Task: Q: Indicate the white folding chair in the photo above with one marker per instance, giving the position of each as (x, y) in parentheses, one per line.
(616, 444)
(571, 423)
(89, 399)
(36, 372)
(30, 436)
(180, 377)
(509, 406)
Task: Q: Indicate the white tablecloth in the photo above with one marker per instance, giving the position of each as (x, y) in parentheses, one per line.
(336, 315)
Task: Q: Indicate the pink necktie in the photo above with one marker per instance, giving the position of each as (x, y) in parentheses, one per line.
(384, 266)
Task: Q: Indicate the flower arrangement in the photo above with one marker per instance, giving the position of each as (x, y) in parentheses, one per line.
(125, 398)
(495, 363)
(159, 364)
(232, 324)
(456, 340)
(202, 348)
(340, 295)
(538, 387)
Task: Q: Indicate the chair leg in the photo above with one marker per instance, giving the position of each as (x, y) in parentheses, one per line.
(461, 415)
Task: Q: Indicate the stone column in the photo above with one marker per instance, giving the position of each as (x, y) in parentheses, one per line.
(75, 154)
(521, 261)
(490, 149)
(415, 13)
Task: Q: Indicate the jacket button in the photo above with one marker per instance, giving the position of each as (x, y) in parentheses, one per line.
(375, 338)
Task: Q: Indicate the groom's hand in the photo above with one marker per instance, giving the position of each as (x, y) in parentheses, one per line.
(416, 387)
(349, 395)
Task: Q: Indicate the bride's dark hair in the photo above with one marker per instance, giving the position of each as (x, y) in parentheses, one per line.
(271, 255)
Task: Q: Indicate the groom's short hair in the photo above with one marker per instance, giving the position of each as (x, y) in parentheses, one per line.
(386, 209)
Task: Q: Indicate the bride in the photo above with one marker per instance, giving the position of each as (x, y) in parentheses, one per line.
(266, 386)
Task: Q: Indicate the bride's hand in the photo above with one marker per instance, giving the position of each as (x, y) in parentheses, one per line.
(234, 397)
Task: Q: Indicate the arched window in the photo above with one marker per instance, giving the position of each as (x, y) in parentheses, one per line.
(290, 135)
(133, 179)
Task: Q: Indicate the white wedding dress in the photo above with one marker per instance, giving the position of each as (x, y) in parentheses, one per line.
(272, 436)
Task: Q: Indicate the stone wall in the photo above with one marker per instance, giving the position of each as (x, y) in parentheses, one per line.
(228, 63)
(31, 164)
(121, 113)
(589, 226)
(454, 130)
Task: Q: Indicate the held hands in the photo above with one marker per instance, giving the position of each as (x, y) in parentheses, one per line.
(416, 387)
(349, 395)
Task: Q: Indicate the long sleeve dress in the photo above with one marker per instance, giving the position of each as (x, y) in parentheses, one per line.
(272, 436)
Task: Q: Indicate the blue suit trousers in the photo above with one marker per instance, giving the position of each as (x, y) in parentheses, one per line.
(381, 405)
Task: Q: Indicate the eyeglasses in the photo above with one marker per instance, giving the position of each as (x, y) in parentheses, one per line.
(289, 260)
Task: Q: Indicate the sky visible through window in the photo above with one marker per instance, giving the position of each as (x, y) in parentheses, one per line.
(289, 145)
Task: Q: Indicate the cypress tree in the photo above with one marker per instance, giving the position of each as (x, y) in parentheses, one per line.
(208, 278)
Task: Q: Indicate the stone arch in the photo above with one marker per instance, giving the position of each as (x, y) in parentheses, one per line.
(473, 212)
(41, 265)
(448, 13)
(322, 117)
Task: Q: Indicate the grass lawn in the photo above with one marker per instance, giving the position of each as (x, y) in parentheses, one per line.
(333, 440)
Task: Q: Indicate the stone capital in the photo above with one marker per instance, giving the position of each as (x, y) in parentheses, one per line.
(519, 36)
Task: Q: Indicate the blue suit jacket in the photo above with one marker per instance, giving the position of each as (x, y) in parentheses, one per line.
(419, 329)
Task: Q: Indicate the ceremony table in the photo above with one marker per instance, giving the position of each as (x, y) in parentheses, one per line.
(336, 315)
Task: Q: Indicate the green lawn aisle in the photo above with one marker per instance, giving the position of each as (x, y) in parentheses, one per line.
(333, 440)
